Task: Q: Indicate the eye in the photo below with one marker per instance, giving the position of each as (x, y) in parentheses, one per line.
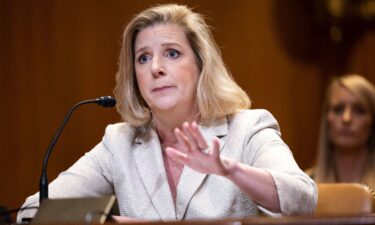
(173, 54)
(337, 109)
(359, 109)
(144, 58)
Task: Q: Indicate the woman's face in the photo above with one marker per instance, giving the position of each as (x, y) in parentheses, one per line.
(165, 68)
(349, 120)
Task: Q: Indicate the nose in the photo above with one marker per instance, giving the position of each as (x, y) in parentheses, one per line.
(157, 67)
(347, 116)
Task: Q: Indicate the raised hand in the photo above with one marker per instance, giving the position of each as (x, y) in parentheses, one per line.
(196, 153)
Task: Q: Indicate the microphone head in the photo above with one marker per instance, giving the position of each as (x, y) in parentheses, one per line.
(106, 101)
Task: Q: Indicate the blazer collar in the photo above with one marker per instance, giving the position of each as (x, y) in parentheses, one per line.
(148, 152)
(191, 180)
(149, 161)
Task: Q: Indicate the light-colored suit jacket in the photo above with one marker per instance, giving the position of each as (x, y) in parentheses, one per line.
(132, 167)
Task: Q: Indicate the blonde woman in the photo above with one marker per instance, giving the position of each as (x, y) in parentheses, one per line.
(188, 148)
(347, 135)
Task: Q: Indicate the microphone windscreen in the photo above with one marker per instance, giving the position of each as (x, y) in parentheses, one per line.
(106, 101)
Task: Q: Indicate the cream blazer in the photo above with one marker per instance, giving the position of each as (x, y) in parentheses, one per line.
(132, 168)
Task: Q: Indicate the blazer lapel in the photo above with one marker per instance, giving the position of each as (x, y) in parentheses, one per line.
(149, 161)
(191, 180)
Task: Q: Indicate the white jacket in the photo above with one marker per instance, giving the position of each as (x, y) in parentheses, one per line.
(132, 168)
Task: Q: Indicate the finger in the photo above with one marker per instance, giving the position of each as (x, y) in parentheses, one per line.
(201, 141)
(176, 155)
(186, 128)
(216, 148)
(182, 139)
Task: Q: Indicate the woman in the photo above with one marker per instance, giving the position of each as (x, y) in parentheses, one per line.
(188, 148)
(347, 137)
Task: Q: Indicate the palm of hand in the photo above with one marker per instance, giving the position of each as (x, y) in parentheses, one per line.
(195, 152)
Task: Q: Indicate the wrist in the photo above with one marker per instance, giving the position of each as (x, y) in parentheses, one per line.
(230, 167)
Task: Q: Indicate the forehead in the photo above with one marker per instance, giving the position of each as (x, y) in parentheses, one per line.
(341, 95)
(159, 34)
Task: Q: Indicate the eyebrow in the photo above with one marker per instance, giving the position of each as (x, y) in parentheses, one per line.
(164, 44)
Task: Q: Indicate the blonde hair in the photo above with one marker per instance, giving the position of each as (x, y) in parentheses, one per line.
(217, 93)
(365, 92)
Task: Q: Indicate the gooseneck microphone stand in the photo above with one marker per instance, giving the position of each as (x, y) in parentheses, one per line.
(105, 101)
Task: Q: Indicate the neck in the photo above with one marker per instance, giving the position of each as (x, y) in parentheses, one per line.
(350, 164)
(166, 122)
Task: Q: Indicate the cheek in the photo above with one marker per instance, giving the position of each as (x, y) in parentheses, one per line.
(333, 127)
(365, 126)
(191, 84)
(332, 121)
(142, 84)
(140, 75)
(191, 72)
(140, 80)
(191, 79)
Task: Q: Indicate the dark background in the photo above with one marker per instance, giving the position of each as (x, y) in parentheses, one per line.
(54, 54)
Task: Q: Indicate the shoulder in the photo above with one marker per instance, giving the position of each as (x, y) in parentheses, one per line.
(119, 133)
(116, 128)
(256, 119)
(253, 114)
(119, 128)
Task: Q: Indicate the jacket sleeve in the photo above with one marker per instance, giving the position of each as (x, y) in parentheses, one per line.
(297, 192)
(90, 176)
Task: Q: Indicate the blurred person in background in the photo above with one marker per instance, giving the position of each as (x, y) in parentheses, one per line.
(347, 133)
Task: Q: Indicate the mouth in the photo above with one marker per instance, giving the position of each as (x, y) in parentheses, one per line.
(346, 132)
(162, 88)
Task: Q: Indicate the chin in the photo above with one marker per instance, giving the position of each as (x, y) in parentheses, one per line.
(165, 107)
(348, 146)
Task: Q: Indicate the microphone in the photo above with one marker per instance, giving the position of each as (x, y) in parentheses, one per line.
(105, 101)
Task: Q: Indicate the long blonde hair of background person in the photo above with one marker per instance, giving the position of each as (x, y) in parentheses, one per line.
(217, 93)
(361, 88)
